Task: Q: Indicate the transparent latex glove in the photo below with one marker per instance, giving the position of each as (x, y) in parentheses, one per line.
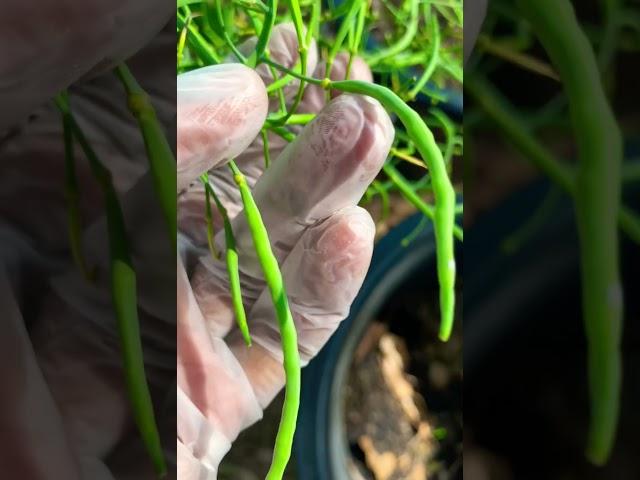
(68, 415)
(474, 13)
(323, 241)
(46, 45)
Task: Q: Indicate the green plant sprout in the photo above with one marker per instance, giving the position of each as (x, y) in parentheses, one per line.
(419, 52)
(594, 183)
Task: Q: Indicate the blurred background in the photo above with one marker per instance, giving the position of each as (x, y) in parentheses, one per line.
(526, 409)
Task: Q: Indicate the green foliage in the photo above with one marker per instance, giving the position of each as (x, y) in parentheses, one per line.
(419, 53)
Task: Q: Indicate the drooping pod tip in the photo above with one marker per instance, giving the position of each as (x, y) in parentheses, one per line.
(444, 334)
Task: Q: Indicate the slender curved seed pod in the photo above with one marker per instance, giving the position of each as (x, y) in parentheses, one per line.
(597, 199)
(71, 192)
(162, 161)
(314, 21)
(124, 298)
(289, 338)
(231, 257)
(444, 210)
(124, 295)
(284, 133)
(296, 119)
(265, 34)
(445, 198)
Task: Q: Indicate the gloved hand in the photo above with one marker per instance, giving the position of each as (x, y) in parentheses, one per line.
(308, 200)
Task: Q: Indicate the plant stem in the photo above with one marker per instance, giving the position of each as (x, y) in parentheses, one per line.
(434, 56)
(197, 42)
(213, 10)
(444, 216)
(527, 62)
(347, 23)
(515, 131)
(401, 44)
(265, 34)
(413, 198)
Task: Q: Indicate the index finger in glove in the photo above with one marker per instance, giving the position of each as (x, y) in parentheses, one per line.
(221, 109)
(323, 274)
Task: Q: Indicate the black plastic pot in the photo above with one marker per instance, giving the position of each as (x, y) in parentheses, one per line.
(525, 388)
(321, 446)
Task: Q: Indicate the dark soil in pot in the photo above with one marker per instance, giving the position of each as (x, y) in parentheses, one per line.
(403, 397)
